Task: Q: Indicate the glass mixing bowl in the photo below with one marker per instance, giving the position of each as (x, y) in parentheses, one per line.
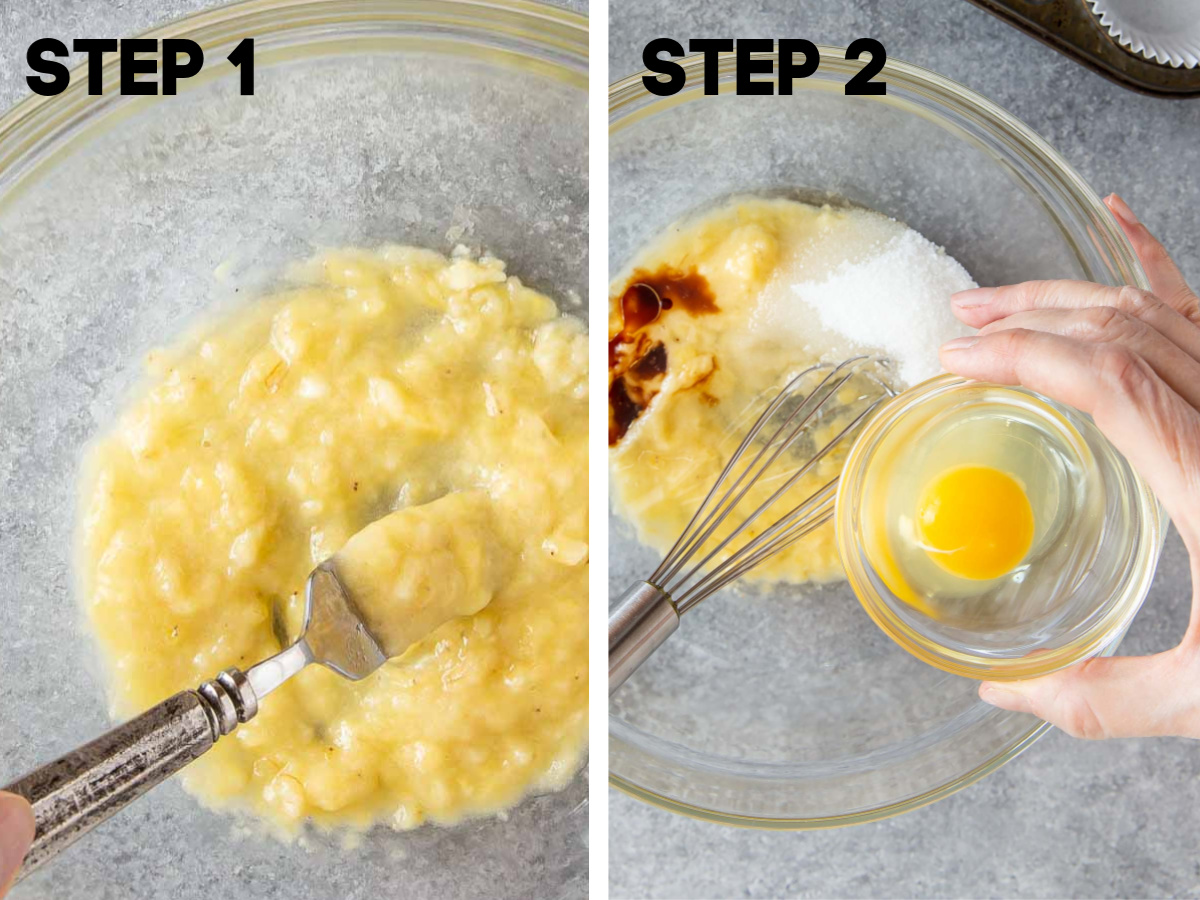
(786, 707)
(432, 122)
(1092, 562)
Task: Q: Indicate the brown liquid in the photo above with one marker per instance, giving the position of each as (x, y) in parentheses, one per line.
(622, 411)
(637, 365)
(687, 290)
(652, 364)
(640, 305)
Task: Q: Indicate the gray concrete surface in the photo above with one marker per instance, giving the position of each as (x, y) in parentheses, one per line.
(1068, 818)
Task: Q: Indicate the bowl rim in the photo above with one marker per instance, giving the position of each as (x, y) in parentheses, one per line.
(558, 36)
(825, 823)
(1100, 635)
(628, 102)
(628, 98)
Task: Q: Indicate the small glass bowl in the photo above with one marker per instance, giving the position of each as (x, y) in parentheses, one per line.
(1095, 572)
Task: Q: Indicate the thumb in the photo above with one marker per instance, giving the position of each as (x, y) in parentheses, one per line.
(16, 834)
(1127, 696)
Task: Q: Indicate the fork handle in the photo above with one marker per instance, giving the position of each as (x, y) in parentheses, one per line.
(78, 791)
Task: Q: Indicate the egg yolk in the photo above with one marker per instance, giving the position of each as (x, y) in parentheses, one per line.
(975, 522)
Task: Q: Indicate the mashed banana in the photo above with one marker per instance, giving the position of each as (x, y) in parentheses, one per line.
(420, 566)
(261, 446)
(695, 356)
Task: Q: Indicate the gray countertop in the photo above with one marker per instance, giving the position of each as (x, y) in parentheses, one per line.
(1068, 818)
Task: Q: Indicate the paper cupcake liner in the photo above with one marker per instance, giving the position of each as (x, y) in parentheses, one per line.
(1165, 31)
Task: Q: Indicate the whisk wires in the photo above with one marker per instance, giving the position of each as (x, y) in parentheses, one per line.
(689, 580)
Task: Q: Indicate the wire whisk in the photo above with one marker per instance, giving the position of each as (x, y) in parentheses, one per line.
(648, 612)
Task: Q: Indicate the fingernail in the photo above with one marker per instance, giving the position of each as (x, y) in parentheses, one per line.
(962, 343)
(16, 834)
(1004, 698)
(980, 296)
(1121, 210)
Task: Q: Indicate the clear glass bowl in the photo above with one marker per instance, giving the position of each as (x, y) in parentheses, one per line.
(432, 122)
(787, 707)
(1096, 563)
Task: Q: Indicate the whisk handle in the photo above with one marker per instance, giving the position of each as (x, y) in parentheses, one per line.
(643, 618)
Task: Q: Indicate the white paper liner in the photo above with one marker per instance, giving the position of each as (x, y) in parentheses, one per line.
(1166, 31)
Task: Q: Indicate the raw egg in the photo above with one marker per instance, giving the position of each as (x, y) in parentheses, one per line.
(966, 503)
(975, 522)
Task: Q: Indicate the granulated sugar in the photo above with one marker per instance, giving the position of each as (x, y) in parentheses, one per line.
(891, 297)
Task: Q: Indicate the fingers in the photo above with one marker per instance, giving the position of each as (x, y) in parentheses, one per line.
(1165, 278)
(1104, 324)
(983, 306)
(16, 834)
(1132, 360)
(1157, 430)
(1105, 698)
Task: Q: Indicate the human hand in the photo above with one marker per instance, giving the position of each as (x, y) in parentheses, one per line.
(16, 834)
(1132, 360)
